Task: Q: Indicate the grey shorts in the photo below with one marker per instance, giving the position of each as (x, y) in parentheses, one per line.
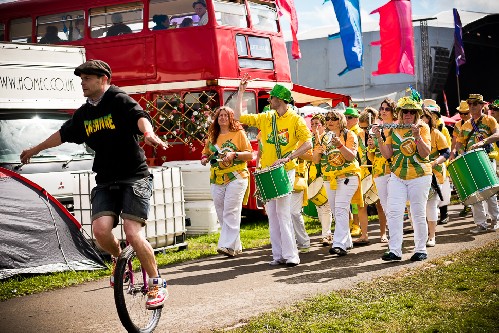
(128, 199)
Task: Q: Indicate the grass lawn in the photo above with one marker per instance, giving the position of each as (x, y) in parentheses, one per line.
(457, 293)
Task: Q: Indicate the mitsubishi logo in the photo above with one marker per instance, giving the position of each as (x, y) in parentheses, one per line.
(61, 186)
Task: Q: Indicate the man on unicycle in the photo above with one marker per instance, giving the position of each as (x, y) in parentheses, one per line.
(110, 123)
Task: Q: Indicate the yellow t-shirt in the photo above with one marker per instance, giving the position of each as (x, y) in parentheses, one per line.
(332, 161)
(406, 161)
(292, 131)
(381, 166)
(222, 173)
(487, 126)
(438, 142)
(361, 150)
(444, 131)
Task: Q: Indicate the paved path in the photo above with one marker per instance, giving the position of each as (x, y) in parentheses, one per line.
(222, 292)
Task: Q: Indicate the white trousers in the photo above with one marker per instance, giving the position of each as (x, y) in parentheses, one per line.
(302, 238)
(399, 191)
(228, 199)
(339, 200)
(480, 211)
(282, 235)
(382, 187)
(432, 207)
(326, 218)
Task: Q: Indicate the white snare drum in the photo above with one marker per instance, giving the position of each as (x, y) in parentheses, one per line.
(316, 192)
(368, 190)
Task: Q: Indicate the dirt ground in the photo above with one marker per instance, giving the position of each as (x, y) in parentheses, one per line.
(220, 292)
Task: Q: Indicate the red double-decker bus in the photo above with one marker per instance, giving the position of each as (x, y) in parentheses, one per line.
(180, 59)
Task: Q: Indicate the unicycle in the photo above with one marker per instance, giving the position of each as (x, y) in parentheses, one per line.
(130, 295)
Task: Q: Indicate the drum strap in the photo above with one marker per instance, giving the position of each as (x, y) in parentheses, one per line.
(276, 138)
(480, 137)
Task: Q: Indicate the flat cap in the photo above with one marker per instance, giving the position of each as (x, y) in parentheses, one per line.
(93, 67)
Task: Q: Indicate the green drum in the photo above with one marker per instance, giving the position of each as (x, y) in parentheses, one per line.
(272, 183)
(474, 177)
(310, 210)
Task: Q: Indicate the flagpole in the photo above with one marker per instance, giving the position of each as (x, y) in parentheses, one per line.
(458, 92)
(297, 79)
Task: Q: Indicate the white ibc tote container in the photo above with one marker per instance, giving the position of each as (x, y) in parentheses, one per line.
(165, 226)
(199, 206)
(195, 178)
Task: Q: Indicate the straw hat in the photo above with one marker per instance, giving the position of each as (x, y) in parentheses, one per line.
(475, 98)
(463, 107)
(431, 105)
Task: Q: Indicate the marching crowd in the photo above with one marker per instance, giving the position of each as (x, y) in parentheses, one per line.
(403, 150)
(395, 157)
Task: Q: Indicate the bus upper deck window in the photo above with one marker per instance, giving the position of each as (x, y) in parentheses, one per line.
(60, 27)
(20, 30)
(116, 20)
(263, 17)
(179, 14)
(230, 13)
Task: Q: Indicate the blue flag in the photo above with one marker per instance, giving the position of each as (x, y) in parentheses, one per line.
(348, 15)
(458, 41)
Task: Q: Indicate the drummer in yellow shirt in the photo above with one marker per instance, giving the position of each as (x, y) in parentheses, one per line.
(324, 213)
(479, 132)
(464, 112)
(359, 213)
(293, 140)
(439, 153)
(432, 106)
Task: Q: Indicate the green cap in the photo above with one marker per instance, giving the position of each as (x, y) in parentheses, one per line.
(281, 92)
(266, 108)
(352, 112)
(494, 105)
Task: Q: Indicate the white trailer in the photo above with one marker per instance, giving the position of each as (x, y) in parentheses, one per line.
(38, 92)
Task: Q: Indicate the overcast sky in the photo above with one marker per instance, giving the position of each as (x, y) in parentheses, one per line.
(313, 14)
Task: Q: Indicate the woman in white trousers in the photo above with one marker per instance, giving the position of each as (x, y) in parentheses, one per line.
(227, 150)
(408, 148)
(341, 173)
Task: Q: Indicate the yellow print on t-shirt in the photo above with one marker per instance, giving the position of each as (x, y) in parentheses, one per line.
(336, 159)
(95, 125)
(282, 135)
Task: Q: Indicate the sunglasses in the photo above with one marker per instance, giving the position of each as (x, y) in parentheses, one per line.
(331, 118)
(413, 112)
(475, 103)
(350, 117)
(463, 113)
(385, 109)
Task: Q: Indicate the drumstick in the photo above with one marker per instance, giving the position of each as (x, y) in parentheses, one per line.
(366, 166)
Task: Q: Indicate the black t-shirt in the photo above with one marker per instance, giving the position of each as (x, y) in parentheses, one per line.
(111, 130)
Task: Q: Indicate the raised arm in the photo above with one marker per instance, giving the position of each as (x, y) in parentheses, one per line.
(238, 110)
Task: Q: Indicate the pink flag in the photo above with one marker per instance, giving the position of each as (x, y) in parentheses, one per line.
(288, 7)
(396, 38)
